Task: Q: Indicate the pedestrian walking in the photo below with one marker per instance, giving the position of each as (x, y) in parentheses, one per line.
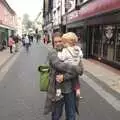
(45, 39)
(16, 40)
(11, 43)
(23, 40)
(64, 74)
(27, 43)
(31, 37)
(38, 38)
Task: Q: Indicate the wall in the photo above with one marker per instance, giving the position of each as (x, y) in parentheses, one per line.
(19, 26)
(57, 12)
(6, 18)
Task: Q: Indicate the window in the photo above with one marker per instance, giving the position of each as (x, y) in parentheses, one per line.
(97, 41)
(118, 45)
(109, 37)
(80, 2)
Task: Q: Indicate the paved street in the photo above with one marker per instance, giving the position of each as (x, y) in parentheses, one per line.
(20, 98)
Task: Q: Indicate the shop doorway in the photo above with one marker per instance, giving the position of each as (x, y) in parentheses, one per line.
(89, 41)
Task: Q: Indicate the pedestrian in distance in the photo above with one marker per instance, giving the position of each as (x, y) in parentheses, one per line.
(16, 40)
(23, 40)
(11, 43)
(27, 43)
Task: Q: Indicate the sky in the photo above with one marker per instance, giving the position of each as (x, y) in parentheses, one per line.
(31, 7)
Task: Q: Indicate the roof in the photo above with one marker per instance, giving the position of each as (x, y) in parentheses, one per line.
(8, 7)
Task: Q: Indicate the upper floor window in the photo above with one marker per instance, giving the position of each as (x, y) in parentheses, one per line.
(70, 5)
(79, 2)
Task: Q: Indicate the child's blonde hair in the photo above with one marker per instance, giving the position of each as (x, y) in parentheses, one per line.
(70, 37)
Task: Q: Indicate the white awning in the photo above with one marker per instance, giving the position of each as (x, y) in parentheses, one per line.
(7, 27)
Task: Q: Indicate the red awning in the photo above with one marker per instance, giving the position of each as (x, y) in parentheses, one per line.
(96, 7)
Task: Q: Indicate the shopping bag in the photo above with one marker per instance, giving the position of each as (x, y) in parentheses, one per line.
(13, 45)
(44, 77)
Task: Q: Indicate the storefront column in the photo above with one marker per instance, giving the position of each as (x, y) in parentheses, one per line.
(85, 42)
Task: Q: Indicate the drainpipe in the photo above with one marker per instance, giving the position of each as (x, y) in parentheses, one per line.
(61, 17)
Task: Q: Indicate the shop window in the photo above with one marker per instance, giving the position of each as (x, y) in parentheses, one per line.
(2, 39)
(109, 42)
(118, 46)
(97, 41)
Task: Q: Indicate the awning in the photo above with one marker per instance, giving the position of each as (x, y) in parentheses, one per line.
(75, 25)
(94, 8)
(7, 27)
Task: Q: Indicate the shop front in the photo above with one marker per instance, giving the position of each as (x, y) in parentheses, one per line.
(103, 38)
(2, 37)
(100, 32)
(5, 32)
(7, 22)
(104, 43)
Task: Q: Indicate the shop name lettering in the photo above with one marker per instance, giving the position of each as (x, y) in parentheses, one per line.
(6, 20)
(73, 15)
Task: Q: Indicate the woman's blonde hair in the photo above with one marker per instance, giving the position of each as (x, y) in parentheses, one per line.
(70, 36)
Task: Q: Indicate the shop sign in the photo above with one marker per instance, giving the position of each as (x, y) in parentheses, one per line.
(1, 12)
(93, 8)
(72, 16)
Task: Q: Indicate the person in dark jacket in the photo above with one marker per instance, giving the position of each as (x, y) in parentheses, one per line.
(16, 40)
(68, 74)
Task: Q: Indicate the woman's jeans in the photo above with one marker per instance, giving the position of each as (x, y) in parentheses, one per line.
(11, 49)
(69, 101)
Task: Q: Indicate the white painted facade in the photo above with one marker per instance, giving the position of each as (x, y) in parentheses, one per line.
(39, 22)
(70, 5)
(19, 26)
(58, 11)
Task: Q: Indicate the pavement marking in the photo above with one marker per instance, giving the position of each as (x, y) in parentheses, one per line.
(6, 68)
(113, 101)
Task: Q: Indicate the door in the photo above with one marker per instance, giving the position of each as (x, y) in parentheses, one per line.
(97, 44)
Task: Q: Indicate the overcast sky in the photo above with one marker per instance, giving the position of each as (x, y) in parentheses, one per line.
(32, 7)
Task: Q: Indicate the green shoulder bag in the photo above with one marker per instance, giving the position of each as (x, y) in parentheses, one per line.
(44, 77)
